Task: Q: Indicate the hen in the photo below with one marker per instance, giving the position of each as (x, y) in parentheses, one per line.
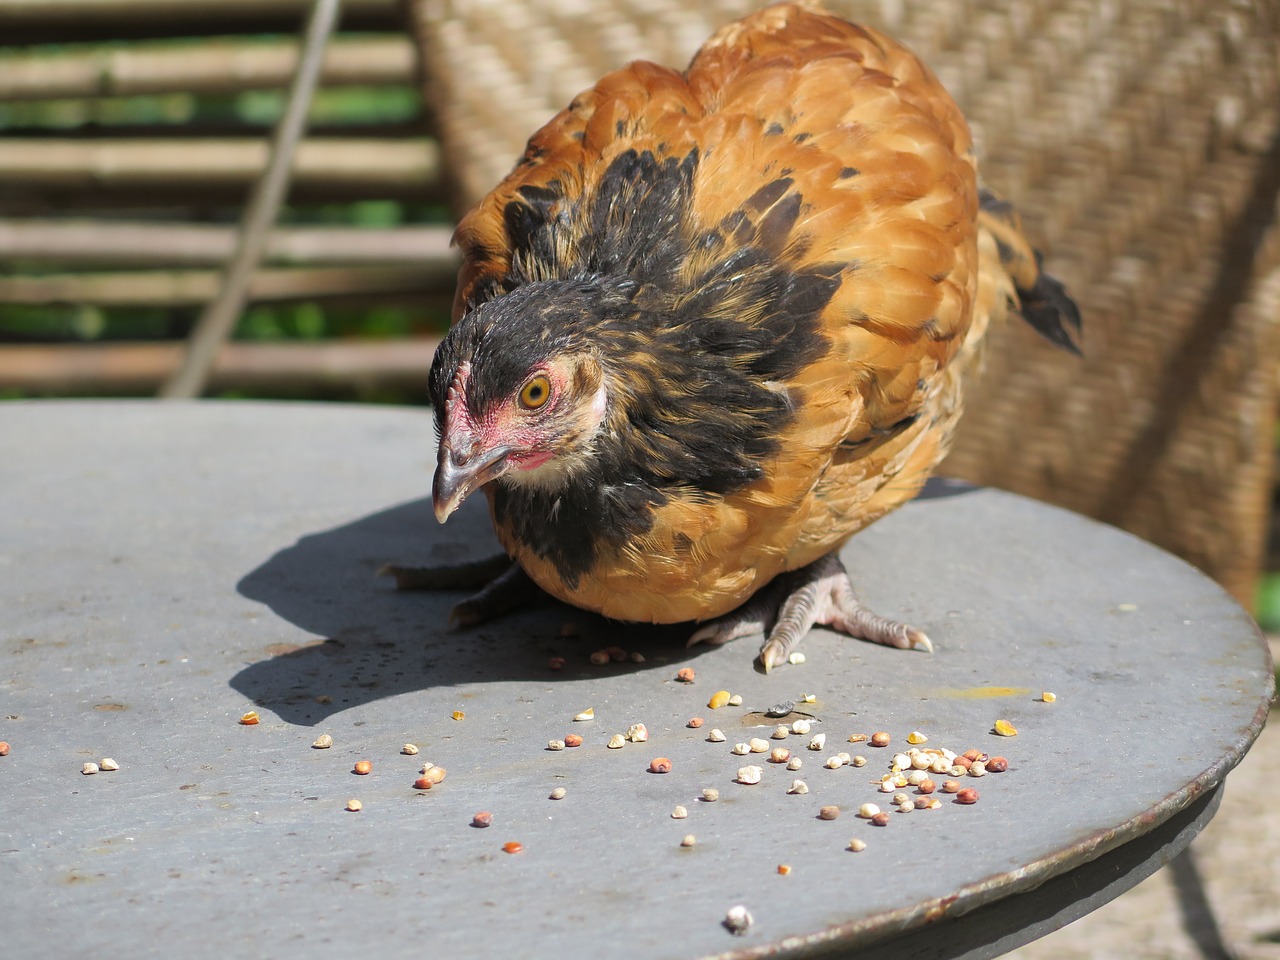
(714, 323)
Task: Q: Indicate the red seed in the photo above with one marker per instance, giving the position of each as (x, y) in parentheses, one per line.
(685, 675)
(927, 786)
(659, 765)
(482, 819)
(880, 820)
(695, 722)
(512, 846)
(962, 762)
(967, 795)
(556, 663)
(880, 739)
(616, 654)
(363, 767)
(4, 748)
(783, 869)
(422, 783)
(829, 813)
(974, 755)
(572, 740)
(997, 765)
(951, 786)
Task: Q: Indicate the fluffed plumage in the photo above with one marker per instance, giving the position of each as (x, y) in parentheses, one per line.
(715, 321)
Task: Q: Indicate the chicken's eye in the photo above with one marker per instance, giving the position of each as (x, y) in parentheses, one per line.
(535, 393)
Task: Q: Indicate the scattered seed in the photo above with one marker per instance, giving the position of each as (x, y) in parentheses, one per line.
(833, 763)
(363, 767)
(757, 745)
(795, 763)
(880, 739)
(637, 733)
(901, 762)
(857, 846)
(715, 736)
(572, 740)
(555, 744)
(599, 657)
(659, 765)
(250, 718)
(781, 732)
(900, 798)
(512, 846)
(718, 699)
(556, 663)
(409, 750)
(695, 722)
(616, 742)
(857, 737)
(997, 765)
(888, 786)
(616, 654)
(89, 768)
(868, 810)
(798, 787)
(355, 806)
(927, 786)
(679, 813)
(933, 803)
(916, 737)
(423, 783)
(738, 920)
(967, 795)
(749, 775)
(818, 741)
(940, 765)
(951, 786)
(830, 812)
(636, 656)
(781, 709)
(810, 698)
(322, 742)
(1048, 697)
(569, 629)
(685, 674)
(108, 765)
(801, 727)
(779, 755)
(710, 794)
(433, 774)
(923, 761)
(859, 761)
(978, 769)
(796, 658)
(899, 780)
(457, 714)
(972, 755)
(740, 749)
(962, 762)
(689, 840)
(1006, 729)
(784, 869)
(735, 700)
(587, 714)
(917, 777)
(4, 748)
(482, 819)
(880, 820)
(558, 793)
(906, 806)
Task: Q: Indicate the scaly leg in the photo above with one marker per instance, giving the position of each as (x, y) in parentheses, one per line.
(503, 586)
(817, 594)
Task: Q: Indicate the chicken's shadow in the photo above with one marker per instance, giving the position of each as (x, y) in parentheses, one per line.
(374, 642)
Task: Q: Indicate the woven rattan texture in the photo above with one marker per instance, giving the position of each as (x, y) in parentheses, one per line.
(1139, 139)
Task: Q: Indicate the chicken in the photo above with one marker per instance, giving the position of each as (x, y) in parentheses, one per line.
(714, 323)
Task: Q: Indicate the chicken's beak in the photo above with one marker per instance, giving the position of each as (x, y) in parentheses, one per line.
(458, 475)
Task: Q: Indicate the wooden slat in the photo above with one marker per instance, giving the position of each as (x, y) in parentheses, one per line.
(194, 244)
(140, 367)
(224, 65)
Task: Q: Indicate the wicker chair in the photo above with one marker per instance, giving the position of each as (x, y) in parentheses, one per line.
(1140, 141)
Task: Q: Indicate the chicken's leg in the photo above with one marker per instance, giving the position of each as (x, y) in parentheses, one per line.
(817, 594)
(503, 586)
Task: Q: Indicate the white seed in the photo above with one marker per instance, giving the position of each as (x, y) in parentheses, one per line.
(900, 798)
(780, 732)
(810, 698)
(558, 793)
(735, 700)
(798, 786)
(906, 806)
(796, 658)
(818, 742)
(355, 806)
(857, 845)
(107, 764)
(833, 763)
(845, 757)
(323, 742)
(587, 714)
(801, 727)
(716, 736)
(922, 761)
(899, 780)
(738, 920)
(795, 763)
(679, 813)
(741, 749)
(710, 794)
(89, 768)
(750, 775)
(977, 769)
(958, 771)
(888, 787)
(917, 777)
(859, 761)
(757, 745)
(689, 840)
(637, 733)
(427, 766)
(555, 744)
(950, 755)
(616, 742)
(868, 810)
(900, 762)
(779, 755)
(940, 765)
(915, 736)
(409, 749)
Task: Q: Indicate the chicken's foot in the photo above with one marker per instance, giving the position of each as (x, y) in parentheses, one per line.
(817, 594)
(503, 586)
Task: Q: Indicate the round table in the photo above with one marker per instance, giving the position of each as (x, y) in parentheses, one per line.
(168, 567)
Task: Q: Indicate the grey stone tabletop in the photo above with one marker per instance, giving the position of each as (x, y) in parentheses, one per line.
(167, 568)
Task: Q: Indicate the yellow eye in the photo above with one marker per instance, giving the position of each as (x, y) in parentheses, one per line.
(535, 393)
